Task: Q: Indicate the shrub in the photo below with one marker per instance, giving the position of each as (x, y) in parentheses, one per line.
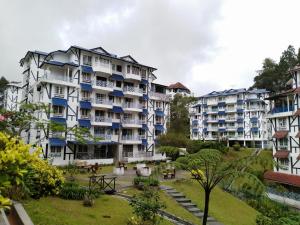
(263, 220)
(173, 139)
(236, 147)
(195, 146)
(72, 191)
(172, 152)
(142, 181)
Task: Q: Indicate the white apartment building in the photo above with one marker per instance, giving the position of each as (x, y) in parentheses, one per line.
(12, 96)
(235, 115)
(114, 97)
(284, 118)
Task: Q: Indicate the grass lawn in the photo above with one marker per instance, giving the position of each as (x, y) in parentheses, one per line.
(171, 206)
(108, 210)
(223, 206)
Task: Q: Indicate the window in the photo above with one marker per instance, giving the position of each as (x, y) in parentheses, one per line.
(158, 119)
(85, 95)
(284, 163)
(282, 123)
(70, 73)
(143, 73)
(104, 62)
(128, 68)
(113, 67)
(87, 60)
(58, 110)
(119, 84)
(59, 91)
(283, 144)
(85, 113)
(55, 151)
(86, 77)
(119, 68)
(135, 70)
(158, 104)
(141, 148)
(96, 59)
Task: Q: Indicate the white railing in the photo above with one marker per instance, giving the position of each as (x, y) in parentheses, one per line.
(51, 77)
(127, 154)
(143, 154)
(282, 127)
(85, 117)
(102, 119)
(159, 95)
(102, 101)
(132, 105)
(133, 89)
(230, 118)
(130, 138)
(102, 135)
(102, 83)
(231, 109)
(231, 127)
(85, 98)
(132, 121)
(58, 114)
(59, 95)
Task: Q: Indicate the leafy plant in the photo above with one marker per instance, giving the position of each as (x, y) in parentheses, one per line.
(236, 147)
(196, 145)
(172, 152)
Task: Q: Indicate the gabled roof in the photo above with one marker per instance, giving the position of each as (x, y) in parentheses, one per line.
(128, 58)
(178, 85)
(101, 50)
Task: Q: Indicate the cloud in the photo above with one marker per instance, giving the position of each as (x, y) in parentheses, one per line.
(173, 35)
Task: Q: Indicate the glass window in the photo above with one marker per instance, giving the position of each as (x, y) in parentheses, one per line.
(119, 68)
(128, 68)
(55, 151)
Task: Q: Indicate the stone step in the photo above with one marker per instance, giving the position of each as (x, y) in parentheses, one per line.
(172, 191)
(199, 214)
(188, 204)
(166, 188)
(177, 195)
(214, 223)
(194, 210)
(180, 200)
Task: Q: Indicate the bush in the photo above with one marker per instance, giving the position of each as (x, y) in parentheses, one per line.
(263, 220)
(172, 152)
(72, 191)
(145, 181)
(173, 139)
(43, 179)
(195, 146)
(236, 147)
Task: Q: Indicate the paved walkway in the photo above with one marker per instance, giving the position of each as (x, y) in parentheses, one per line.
(286, 201)
(188, 205)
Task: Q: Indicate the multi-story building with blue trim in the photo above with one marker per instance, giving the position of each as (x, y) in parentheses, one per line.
(235, 115)
(12, 96)
(114, 97)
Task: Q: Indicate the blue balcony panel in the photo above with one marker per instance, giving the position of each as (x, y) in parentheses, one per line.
(222, 130)
(117, 109)
(221, 121)
(240, 120)
(159, 127)
(58, 120)
(59, 102)
(282, 109)
(240, 110)
(144, 112)
(240, 129)
(86, 123)
(87, 69)
(117, 93)
(85, 105)
(58, 142)
(117, 77)
(221, 113)
(86, 87)
(221, 104)
(115, 125)
(144, 127)
(254, 129)
(240, 101)
(159, 112)
(145, 97)
(204, 130)
(144, 142)
(254, 120)
(144, 81)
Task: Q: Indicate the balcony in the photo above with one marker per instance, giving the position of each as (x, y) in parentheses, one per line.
(230, 109)
(133, 91)
(103, 85)
(131, 139)
(102, 67)
(282, 109)
(159, 96)
(57, 79)
(131, 76)
(230, 119)
(212, 128)
(102, 103)
(102, 136)
(212, 120)
(101, 121)
(132, 106)
(231, 128)
(132, 123)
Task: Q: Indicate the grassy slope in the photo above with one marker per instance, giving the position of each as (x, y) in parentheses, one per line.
(223, 206)
(108, 210)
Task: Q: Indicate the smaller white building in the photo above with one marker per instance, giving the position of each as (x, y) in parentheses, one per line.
(12, 96)
(178, 88)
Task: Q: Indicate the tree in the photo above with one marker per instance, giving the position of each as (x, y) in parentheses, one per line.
(146, 206)
(173, 139)
(170, 151)
(208, 168)
(179, 114)
(274, 76)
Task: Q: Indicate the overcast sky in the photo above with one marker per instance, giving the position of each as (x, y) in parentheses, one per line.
(205, 44)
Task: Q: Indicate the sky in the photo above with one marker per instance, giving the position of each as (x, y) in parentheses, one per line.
(206, 45)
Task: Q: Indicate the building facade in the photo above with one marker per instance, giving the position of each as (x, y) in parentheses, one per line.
(235, 115)
(284, 118)
(114, 97)
(12, 96)
(178, 88)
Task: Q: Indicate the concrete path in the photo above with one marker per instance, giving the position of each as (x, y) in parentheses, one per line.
(188, 205)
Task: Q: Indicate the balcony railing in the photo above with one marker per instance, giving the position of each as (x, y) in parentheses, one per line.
(133, 89)
(126, 154)
(130, 138)
(282, 109)
(102, 83)
(133, 121)
(102, 136)
(132, 105)
(86, 80)
(102, 101)
(51, 77)
(282, 127)
(102, 119)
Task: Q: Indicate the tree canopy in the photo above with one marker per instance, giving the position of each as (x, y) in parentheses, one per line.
(274, 76)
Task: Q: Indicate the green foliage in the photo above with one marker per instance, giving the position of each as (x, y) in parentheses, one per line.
(263, 220)
(195, 146)
(171, 152)
(179, 115)
(274, 76)
(236, 146)
(146, 206)
(73, 191)
(173, 139)
(145, 181)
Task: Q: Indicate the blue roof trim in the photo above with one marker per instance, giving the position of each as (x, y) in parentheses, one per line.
(144, 81)
(115, 125)
(87, 69)
(57, 142)
(159, 127)
(234, 92)
(159, 112)
(57, 63)
(117, 93)
(85, 105)
(117, 77)
(59, 102)
(58, 120)
(86, 87)
(117, 109)
(85, 123)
